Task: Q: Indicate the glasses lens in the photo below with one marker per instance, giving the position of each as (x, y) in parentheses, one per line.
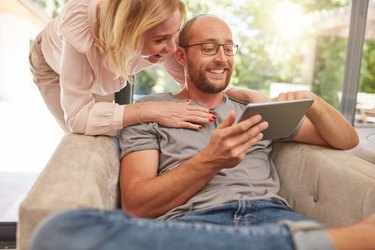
(230, 49)
(209, 49)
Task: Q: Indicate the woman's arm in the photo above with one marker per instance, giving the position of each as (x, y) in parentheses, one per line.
(82, 114)
(169, 114)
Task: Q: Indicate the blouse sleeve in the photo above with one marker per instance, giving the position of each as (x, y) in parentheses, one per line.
(82, 114)
(75, 25)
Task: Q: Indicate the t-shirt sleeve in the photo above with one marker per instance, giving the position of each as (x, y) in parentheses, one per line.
(143, 136)
(138, 137)
(294, 132)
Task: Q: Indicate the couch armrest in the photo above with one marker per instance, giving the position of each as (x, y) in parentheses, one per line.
(82, 172)
(328, 185)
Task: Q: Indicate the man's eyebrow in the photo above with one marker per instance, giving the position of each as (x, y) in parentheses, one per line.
(211, 40)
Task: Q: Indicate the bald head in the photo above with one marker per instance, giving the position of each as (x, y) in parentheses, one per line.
(200, 25)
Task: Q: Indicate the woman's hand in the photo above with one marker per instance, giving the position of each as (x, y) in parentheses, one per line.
(175, 114)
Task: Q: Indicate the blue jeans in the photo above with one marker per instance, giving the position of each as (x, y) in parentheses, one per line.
(237, 225)
(244, 213)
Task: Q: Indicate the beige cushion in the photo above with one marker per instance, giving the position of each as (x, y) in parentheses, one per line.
(324, 184)
(366, 147)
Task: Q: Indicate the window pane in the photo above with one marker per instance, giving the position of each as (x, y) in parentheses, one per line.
(29, 134)
(365, 109)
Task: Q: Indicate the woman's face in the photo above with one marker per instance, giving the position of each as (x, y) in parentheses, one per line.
(161, 39)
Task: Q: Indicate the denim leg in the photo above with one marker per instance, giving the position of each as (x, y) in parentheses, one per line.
(306, 234)
(260, 212)
(217, 215)
(244, 213)
(106, 230)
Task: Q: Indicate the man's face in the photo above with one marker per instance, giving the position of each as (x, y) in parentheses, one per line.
(209, 73)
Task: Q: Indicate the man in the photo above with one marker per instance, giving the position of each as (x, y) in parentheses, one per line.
(216, 187)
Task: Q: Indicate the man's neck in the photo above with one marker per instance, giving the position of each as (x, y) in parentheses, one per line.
(206, 99)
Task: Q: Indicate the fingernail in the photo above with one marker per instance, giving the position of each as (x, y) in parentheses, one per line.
(200, 127)
(210, 111)
(210, 120)
(214, 117)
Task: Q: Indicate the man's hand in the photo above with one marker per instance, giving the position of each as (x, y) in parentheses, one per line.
(298, 95)
(295, 95)
(324, 124)
(230, 142)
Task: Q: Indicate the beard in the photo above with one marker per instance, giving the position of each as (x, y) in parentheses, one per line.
(199, 79)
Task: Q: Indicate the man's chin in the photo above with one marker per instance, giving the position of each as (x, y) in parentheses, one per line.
(212, 88)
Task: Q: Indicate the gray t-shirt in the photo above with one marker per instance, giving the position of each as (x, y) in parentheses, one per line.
(254, 178)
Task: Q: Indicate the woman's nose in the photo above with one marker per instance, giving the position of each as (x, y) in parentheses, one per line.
(171, 46)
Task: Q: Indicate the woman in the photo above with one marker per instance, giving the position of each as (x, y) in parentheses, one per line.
(87, 53)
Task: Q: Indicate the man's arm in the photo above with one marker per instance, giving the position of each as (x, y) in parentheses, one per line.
(145, 194)
(324, 124)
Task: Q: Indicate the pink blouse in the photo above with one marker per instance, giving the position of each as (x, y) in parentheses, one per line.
(68, 47)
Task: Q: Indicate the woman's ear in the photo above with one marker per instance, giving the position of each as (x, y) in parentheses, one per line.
(181, 56)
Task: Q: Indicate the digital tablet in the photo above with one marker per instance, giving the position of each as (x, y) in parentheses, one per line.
(282, 117)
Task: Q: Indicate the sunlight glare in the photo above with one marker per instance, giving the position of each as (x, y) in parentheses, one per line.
(289, 21)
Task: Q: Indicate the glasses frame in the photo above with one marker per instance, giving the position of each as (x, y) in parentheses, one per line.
(233, 46)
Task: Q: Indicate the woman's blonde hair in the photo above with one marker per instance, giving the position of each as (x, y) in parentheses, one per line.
(122, 24)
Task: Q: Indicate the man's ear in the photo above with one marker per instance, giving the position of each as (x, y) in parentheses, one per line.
(181, 56)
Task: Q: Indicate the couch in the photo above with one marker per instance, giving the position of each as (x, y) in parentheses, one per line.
(328, 185)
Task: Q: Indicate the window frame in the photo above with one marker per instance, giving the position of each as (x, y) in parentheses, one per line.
(353, 60)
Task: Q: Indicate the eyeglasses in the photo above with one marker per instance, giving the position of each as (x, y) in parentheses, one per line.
(211, 49)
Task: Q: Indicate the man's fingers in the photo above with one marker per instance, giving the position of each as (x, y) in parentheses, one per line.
(251, 136)
(240, 128)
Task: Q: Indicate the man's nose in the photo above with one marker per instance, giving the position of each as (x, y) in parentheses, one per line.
(220, 55)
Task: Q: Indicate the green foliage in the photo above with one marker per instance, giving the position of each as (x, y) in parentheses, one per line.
(367, 79)
(329, 68)
(51, 7)
(41, 3)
